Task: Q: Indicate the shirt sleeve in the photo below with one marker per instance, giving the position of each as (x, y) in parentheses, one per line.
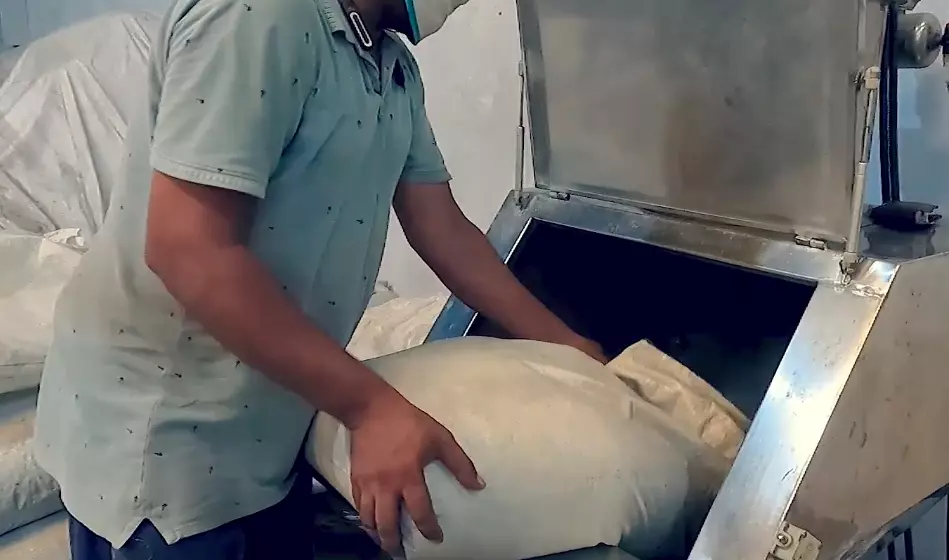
(236, 77)
(425, 163)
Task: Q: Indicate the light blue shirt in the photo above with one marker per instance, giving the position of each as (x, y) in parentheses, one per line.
(142, 414)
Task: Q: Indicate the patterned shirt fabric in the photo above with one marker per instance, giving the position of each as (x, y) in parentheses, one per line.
(142, 414)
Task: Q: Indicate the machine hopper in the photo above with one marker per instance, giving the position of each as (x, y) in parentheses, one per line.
(700, 171)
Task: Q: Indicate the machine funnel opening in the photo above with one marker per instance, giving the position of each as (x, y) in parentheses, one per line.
(840, 375)
(729, 325)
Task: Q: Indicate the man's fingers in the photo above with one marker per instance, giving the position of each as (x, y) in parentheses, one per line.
(418, 503)
(387, 522)
(367, 510)
(357, 494)
(459, 465)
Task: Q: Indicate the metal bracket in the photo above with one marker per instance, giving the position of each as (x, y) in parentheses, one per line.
(870, 78)
(812, 242)
(848, 268)
(794, 543)
(520, 139)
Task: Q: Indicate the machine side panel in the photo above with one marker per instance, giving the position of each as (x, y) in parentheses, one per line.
(886, 447)
(742, 110)
(752, 504)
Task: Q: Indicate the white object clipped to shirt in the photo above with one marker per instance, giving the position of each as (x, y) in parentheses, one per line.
(572, 455)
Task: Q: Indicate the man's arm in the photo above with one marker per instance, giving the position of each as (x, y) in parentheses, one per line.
(195, 244)
(457, 251)
(462, 258)
(216, 142)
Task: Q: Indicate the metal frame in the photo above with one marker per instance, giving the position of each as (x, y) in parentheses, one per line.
(786, 432)
(866, 30)
(758, 493)
(744, 247)
(838, 400)
(846, 358)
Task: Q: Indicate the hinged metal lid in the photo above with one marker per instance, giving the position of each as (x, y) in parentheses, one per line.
(740, 110)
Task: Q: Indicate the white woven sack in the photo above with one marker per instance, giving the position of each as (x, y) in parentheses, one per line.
(684, 397)
(394, 325)
(689, 414)
(33, 270)
(551, 431)
(27, 492)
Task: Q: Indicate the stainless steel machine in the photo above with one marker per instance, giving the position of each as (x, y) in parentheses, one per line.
(700, 170)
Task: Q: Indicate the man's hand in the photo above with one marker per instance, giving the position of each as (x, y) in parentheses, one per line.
(391, 445)
(592, 349)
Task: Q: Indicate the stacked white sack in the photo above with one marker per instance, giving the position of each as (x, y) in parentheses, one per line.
(33, 270)
(27, 493)
(395, 325)
(552, 431)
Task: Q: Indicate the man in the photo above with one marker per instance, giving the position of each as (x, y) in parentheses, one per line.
(207, 322)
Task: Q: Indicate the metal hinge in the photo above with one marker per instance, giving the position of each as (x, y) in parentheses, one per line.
(794, 543)
(812, 242)
(557, 194)
(869, 79)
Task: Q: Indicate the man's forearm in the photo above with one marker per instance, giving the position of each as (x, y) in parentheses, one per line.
(236, 299)
(468, 265)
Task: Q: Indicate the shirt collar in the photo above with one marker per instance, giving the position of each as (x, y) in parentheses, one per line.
(336, 18)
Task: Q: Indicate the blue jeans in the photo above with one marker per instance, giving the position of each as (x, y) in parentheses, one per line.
(284, 531)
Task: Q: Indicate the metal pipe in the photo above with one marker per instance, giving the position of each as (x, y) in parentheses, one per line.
(889, 125)
(871, 82)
